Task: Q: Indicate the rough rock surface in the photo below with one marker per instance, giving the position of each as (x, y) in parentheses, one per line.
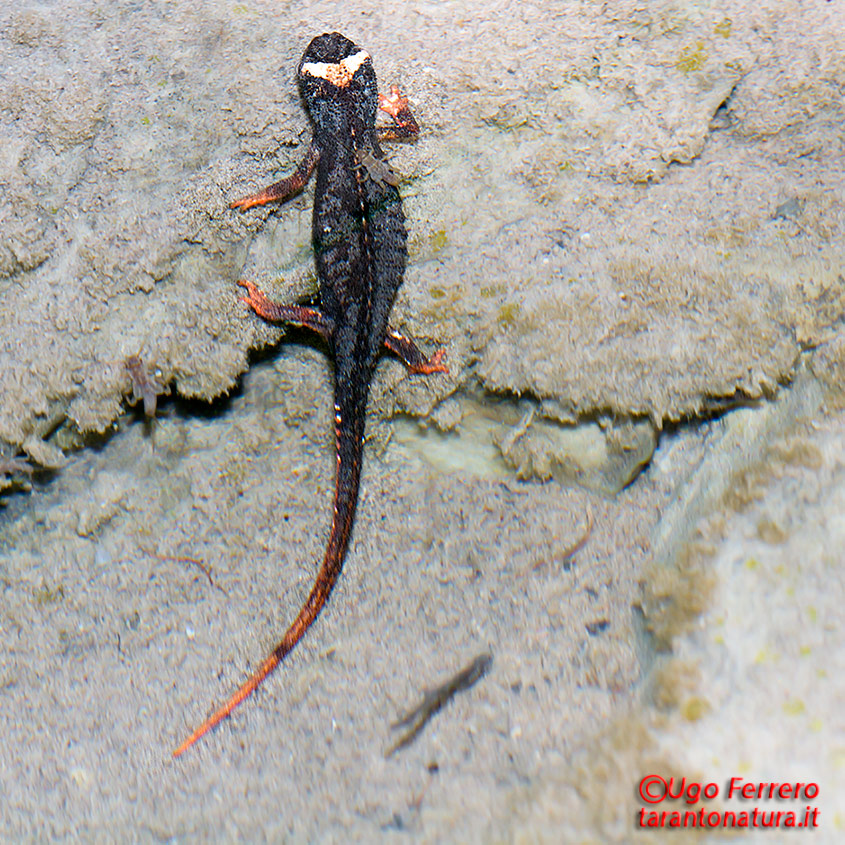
(631, 212)
(621, 216)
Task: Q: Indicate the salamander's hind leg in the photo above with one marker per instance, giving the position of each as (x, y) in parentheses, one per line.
(297, 315)
(410, 354)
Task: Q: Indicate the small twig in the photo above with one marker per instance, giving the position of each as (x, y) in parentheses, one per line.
(203, 567)
(417, 802)
(571, 551)
(434, 700)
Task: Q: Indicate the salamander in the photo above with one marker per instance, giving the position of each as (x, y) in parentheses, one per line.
(359, 240)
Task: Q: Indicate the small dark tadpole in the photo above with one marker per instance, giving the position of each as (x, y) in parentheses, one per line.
(434, 700)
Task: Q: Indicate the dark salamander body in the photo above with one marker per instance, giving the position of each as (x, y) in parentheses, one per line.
(359, 246)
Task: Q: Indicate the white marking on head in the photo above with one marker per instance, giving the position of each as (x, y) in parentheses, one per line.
(338, 74)
(352, 63)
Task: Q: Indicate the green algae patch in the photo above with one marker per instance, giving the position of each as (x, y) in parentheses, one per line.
(723, 28)
(508, 314)
(438, 240)
(692, 58)
(43, 596)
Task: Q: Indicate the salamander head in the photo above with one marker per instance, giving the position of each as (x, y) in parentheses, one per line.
(334, 71)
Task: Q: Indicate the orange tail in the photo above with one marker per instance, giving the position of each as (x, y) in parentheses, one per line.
(349, 449)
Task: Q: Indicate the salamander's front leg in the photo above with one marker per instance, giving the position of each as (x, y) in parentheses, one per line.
(404, 124)
(297, 315)
(410, 354)
(287, 187)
